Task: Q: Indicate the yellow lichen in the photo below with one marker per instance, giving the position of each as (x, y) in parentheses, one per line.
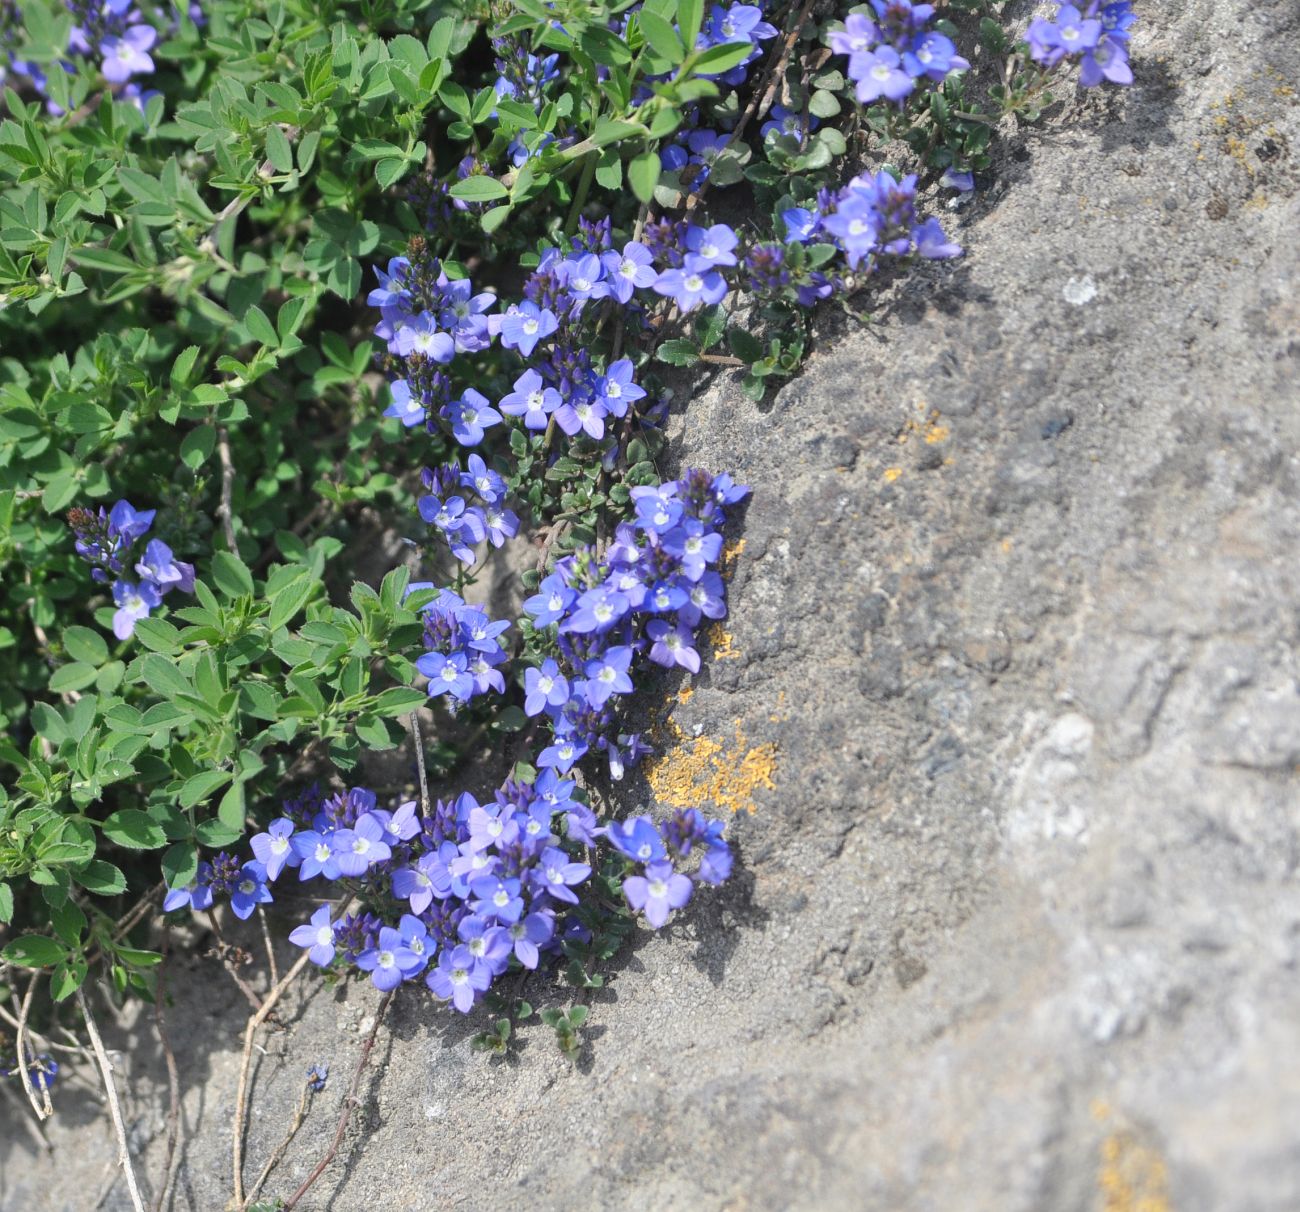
(685, 694)
(701, 771)
(1132, 1177)
(892, 473)
(724, 648)
(936, 431)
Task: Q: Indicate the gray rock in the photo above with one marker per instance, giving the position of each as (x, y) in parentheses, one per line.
(1019, 926)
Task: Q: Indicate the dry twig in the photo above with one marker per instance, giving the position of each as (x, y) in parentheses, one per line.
(114, 1107)
(348, 1102)
(224, 513)
(173, 1082)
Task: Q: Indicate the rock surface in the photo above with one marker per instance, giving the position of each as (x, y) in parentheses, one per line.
(1011, 685)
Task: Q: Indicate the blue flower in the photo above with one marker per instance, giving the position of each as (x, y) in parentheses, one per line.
(133, 604)
(658, 892)
(524, 325)
(249, 890)
(317, 936)
(274, 848)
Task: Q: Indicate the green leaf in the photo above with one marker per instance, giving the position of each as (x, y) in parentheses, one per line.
(721, 58)
(157, 635)
(6, 903)
(76, 676)
(82, 644)
(745, 346)
(66, 979)
(479, 188)
(180, 864)
(101, 878)
(690, 17)
(663, 38)
(197, 447)
(400, 700)
(34, 951)
(230, 811)
(197, 788)
(163, 677)
(678, 353)
(134, 829)
(643, 175)
(260, 327)
(231, 575)
(278, 150)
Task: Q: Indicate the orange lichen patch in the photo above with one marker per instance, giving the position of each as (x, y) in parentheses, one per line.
(685, 694)
(731, 552)
(1007, 545)
(1131, 1176)
(936, 431)
(706, 771)
(724, 648)
(892, 474)
(779, 716)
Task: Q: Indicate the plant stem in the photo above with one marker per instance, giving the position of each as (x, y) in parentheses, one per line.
(114, 1107)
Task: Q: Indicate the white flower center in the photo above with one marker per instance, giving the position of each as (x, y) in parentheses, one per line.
(531, 326)
(247, 887)
(279, 845)
(386, 959)
(545, 684)
(322, 852)
(881, 72)
(325, 936)
(360, 845)
(658, 889)
(694, 283)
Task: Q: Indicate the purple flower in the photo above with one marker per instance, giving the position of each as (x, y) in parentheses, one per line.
(447, 674)
(673, 645)
(388, 960)
(934, 56)
(878, 74)
(528, 935)
(360, 847)
(549, 603)
(556, 873)
(608, 675)
(250, 889)
(422, 336)
(1108, 60)
(483, 480)
(133, 604)
(932, 244)
(857, 36)
(317, 855)
(688, 288)
(497, 898)
(163, 570)
(421, 883)
(587, 416)
(471, 416)
(658, 892)
(197, 894)
(318, 937)
(709, 247)
(405, 407)
(856, 226)
(616, 389)
(458, 978)
(638, 839)
(128, 55)
(631, 269)
(500, 524)
(544, 687)
(274, 848)
(524, 325)
(489, 944)
(532, 400)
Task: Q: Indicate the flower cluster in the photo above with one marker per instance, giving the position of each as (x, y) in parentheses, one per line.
(118, 37)
(870, 217)
(468, 893)
(646, 596)
(889, 55)
(1097, 38)
(460, 524)
(463, 648)
(659, 879)
(107, 541)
